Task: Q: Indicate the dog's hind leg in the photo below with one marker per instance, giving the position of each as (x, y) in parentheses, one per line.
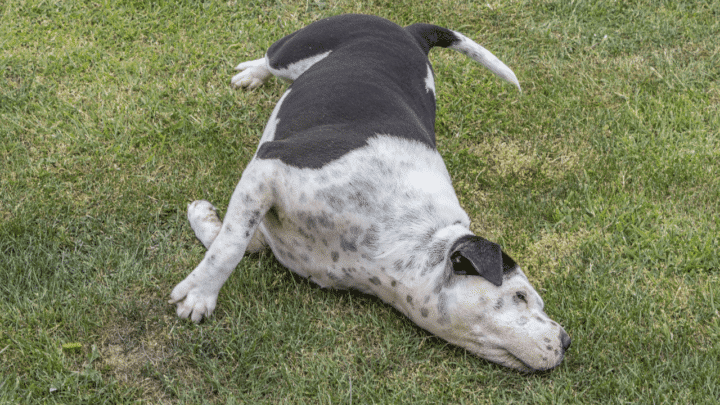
(196, 296)
(292, 55)
(256, 72)
(206, 224)
(286, 59)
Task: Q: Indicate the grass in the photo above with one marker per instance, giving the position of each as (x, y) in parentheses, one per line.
(601, 179)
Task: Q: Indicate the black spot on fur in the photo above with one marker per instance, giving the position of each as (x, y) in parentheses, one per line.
(335, 256)
(310, 223)
(375, 281)
(348, 245)
(306, 235)
(499, 304)
(404, 265)
(442, 309)
(324, 220)
(333, 201)
(348, 272)
(254, 218)
(436, 254)
(442, 304)
(371, 238)
(360, 199)
(424, 312)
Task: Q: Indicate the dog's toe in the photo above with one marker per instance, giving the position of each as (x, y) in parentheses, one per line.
(247, 80)
(252, 74)
(192, 301)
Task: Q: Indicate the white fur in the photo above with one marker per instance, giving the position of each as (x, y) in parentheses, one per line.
(294, 70)
(430, 81)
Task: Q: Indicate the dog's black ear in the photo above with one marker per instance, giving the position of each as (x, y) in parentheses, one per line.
(474, 256)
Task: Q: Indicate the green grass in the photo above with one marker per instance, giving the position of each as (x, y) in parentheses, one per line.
(601, 179)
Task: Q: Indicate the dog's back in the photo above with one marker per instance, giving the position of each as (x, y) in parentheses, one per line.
(369, 76)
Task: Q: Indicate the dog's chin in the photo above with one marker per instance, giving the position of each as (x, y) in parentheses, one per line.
(505, 358)
(514, 362)
(500, 356)
(511, 361)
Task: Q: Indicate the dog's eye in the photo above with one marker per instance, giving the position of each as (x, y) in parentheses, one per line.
(521, 296)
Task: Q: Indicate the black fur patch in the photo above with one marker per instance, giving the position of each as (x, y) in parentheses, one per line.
(373, 82)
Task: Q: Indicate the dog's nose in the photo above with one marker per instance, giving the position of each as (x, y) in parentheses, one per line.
(565, 340)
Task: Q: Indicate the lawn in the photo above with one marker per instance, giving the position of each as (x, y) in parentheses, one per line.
(601, 179)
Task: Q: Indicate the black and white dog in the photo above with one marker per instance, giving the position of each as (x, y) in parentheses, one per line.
(348, 190)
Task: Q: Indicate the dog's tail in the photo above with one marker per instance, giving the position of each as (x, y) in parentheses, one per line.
(429, 36)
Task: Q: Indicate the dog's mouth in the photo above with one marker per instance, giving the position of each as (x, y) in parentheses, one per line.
(501, 356)
(516, 363)
(506, 358)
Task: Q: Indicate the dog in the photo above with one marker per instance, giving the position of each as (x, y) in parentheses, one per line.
(348, 190)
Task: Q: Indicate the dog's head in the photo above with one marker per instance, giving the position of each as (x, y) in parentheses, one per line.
(487, 305)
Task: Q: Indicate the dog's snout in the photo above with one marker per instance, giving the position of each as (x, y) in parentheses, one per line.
(565, 340)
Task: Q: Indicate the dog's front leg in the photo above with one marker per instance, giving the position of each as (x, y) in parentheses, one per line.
(196, 296)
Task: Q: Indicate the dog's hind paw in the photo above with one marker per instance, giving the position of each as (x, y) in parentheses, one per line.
(252, 74)
(204, 221)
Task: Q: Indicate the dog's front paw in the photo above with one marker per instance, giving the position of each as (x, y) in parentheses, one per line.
(193, 299)
(252, 74)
